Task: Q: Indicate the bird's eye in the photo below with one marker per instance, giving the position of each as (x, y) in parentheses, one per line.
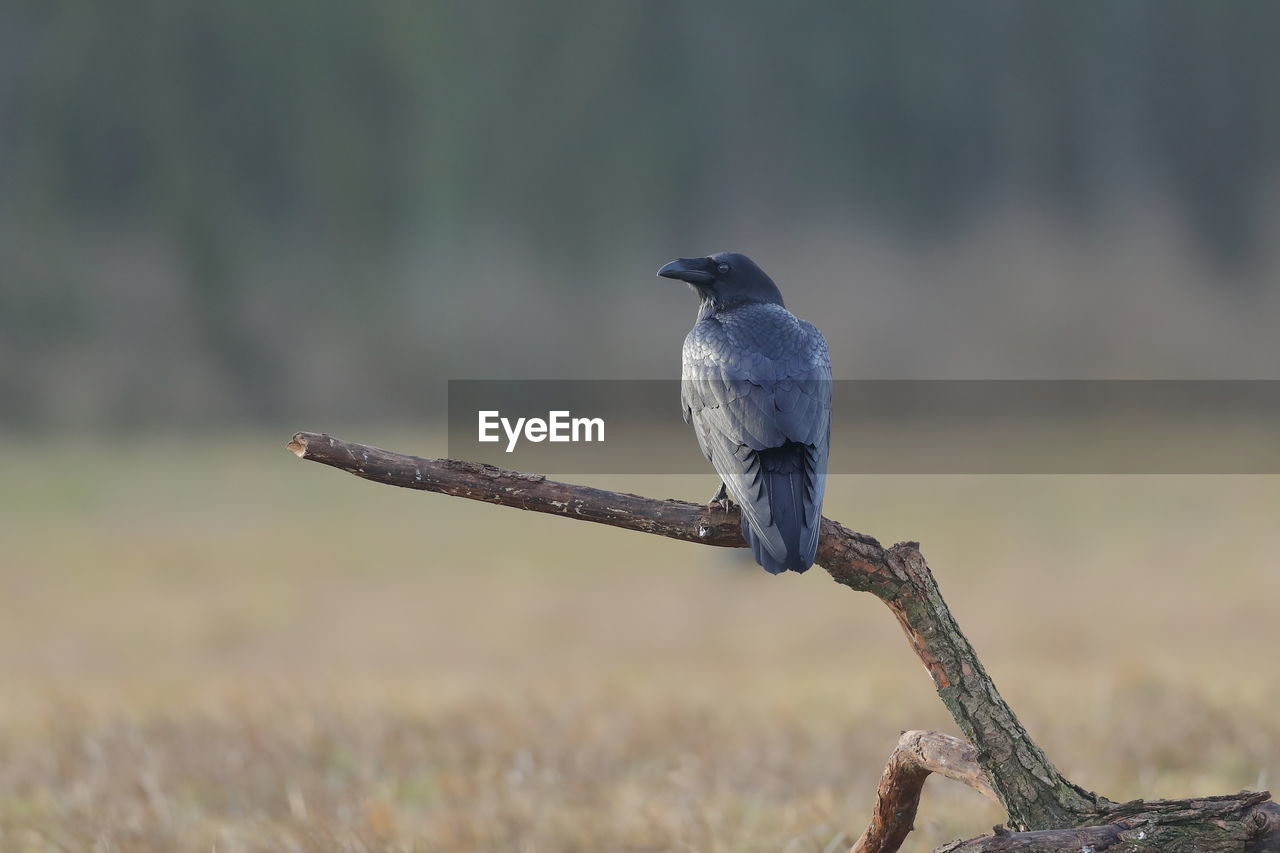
(722, 269)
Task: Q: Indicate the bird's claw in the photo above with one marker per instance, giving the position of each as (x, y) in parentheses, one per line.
(720, 500)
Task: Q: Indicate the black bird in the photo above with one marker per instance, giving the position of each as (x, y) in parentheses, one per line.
(756, 385)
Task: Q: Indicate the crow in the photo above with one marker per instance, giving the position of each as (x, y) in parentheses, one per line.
(756, 385)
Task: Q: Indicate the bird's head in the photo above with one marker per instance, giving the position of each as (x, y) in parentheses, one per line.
(725, 278)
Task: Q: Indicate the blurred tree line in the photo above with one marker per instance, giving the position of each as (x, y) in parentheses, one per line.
(231, 167)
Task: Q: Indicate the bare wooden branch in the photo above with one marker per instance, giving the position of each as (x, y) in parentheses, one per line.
(1038, 800)
(1035, 795)
(674, 519)
(1247, 822)
(917, 754)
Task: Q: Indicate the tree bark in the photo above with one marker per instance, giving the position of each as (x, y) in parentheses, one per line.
(916, 756)
(1228, 824)
(1035, 796)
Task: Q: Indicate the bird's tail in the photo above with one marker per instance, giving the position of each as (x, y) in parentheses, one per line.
(787, 488)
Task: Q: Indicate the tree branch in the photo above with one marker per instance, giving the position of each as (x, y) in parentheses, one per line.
(916, 756)
(1038, 800)
(477, 482)
(1034, 794)
(1236, 822)
(1244, 821)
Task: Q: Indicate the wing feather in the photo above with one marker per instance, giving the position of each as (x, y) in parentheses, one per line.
(756, 383)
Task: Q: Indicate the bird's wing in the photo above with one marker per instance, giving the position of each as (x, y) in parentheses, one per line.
(817, 389)
(743, 398)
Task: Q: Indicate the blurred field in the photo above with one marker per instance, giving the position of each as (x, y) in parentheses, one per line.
(213, 646)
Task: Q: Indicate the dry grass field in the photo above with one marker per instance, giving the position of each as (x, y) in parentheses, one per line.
(216, 647)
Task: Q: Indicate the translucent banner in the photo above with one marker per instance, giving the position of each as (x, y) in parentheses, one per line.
(881, 426)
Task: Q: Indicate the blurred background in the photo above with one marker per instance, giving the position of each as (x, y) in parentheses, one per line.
(223, 222)
(221, 213)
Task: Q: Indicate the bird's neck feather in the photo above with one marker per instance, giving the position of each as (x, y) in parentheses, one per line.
(710, 305)
(707, 305)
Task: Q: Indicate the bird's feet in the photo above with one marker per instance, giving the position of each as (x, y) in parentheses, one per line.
(720, 500)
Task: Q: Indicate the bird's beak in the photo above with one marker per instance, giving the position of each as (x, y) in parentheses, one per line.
(692, 270)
